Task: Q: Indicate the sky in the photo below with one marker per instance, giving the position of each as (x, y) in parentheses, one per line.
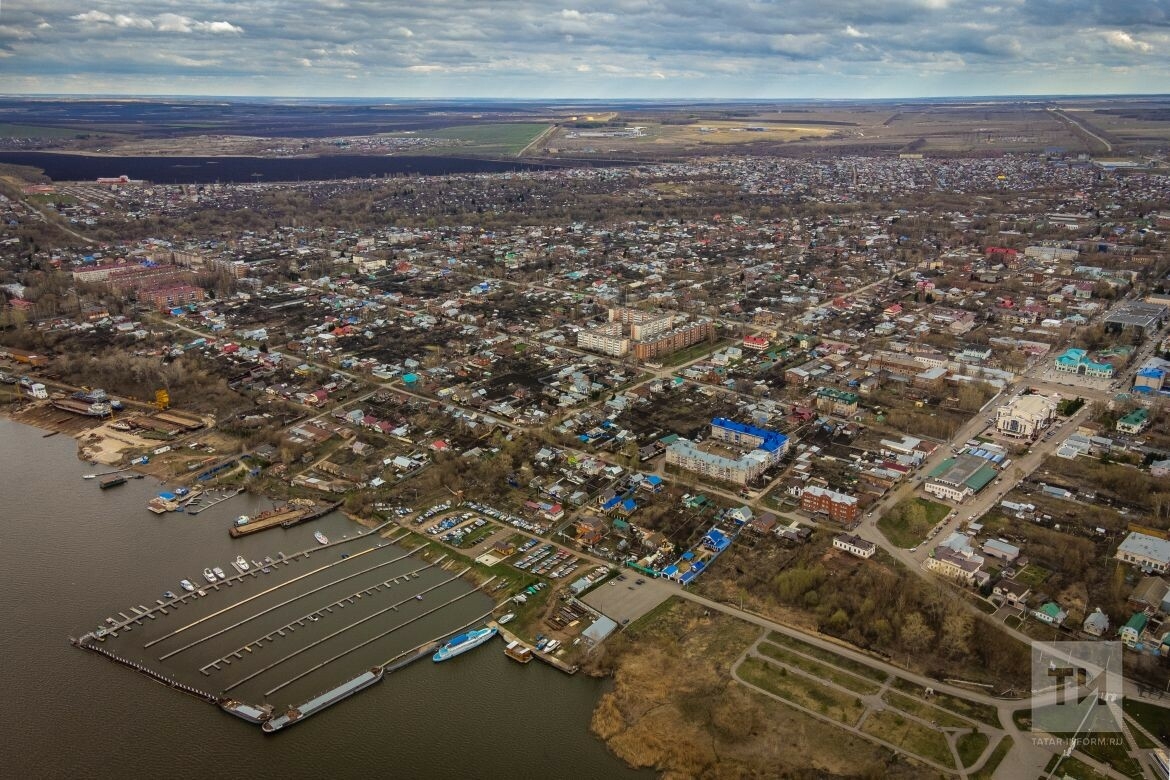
(544, 49)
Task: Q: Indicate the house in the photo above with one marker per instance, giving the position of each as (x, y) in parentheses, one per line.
(1096, 624)
(1050, 613)
(962, 566)
(1131, 632)
(1012, 592)
(590, 530)
(1149, 595)
(1149, 553)
(763, 524)
(855, 545)
(1134, 422)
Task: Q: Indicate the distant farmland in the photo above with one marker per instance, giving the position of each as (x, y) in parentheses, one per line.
(505, 138)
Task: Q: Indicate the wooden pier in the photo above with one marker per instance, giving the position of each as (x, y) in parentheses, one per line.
(555, 663)
(209, 504)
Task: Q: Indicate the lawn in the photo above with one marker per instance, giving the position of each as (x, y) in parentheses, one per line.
(1032, 575)
(791, 687)
(1151, 717)
(1078, 770)
(984, 713)
(994, 760)
(971, 746)
(914, 706)
(909, 735)
(818, 669)
(498, 138)
(907, 524)
(859, 669)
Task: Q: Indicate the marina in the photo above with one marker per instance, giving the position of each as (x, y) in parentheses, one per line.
(304, 603)
(128, 715)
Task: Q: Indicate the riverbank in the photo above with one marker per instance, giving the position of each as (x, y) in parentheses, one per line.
(675, 708)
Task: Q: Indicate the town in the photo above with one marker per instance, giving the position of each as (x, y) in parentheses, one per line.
(884, 421)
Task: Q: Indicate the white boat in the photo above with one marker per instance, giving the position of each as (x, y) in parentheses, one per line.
(186, 585)
(90, 476)
(505, 618)
(209, 575)
(219, 573)
(243, 564)
(320, 537)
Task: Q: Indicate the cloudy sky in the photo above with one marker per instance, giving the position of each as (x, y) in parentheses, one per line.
(597, 49)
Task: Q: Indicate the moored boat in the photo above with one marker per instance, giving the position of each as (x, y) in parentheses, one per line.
(320, 537)
(209, 575)
(462, 643)
(112, 481)
(219, 573)
(241, 562)
(186, 585)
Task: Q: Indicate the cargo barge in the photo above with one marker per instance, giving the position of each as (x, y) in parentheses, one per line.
(329, 698)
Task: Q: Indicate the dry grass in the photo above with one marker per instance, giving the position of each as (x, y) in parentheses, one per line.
(675, 709)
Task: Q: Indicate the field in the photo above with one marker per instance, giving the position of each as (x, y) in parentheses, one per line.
(802, 691)
(501, 139)
(33, 131)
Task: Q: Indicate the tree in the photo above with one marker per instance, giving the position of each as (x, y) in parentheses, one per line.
(915, 634)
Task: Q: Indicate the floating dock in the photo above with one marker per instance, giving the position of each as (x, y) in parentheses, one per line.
(286, 517)
(515, 643)
(330, 697)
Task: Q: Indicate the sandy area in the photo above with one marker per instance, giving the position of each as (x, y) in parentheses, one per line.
(105, 445)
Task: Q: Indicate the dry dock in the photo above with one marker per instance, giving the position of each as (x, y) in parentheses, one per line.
(285, 516)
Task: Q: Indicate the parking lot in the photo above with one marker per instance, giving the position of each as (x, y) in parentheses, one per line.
(625, 600)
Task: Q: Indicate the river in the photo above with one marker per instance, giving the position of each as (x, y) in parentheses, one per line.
(206, 170)
(73, 554)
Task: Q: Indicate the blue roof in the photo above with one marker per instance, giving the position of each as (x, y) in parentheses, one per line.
(629, 504)
(654, 479)
(611, 503)
(410, 378)
(772, 440)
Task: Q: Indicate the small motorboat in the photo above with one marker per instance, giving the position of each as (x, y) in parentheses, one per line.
(186, 585)
(320, 537)
(505, 618)
(219, 573)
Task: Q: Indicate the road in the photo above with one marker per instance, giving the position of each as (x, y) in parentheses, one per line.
(1080, 126)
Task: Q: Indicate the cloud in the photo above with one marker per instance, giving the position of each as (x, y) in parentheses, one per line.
(708, 48)
(1122, 40)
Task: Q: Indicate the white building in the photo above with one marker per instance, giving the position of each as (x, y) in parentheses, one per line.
(1026, 416)
(1149, 553)
(855, 545)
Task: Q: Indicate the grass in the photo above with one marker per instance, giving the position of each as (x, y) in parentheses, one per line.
(818, 698)
(1140, 738)
(1071, 767)
(971, 746)
(903, 530)
(1032, 575)
(501, 138)
(1151, 717)
(925, 711)
(818, 669)
(693, 352)
(909, 735)
(983, 713)
(1114, 753)
(859, 669)
(641, 624)
(994, 760)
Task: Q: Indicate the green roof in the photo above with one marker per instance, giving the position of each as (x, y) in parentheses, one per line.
(1136, 417)
(942, 468)
(1138, 621)
(981, 478)
(1051, 609)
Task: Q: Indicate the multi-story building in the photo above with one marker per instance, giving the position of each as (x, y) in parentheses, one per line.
(649, 335)
(957, 478)
(170, 297)
(838, 506)
(838, 402)
(1076, 361)
(765, 449)
(961, 566)
(1025, 417)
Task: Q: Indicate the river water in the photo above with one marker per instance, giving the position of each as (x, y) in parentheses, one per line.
(206, 170)
(72, 554)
